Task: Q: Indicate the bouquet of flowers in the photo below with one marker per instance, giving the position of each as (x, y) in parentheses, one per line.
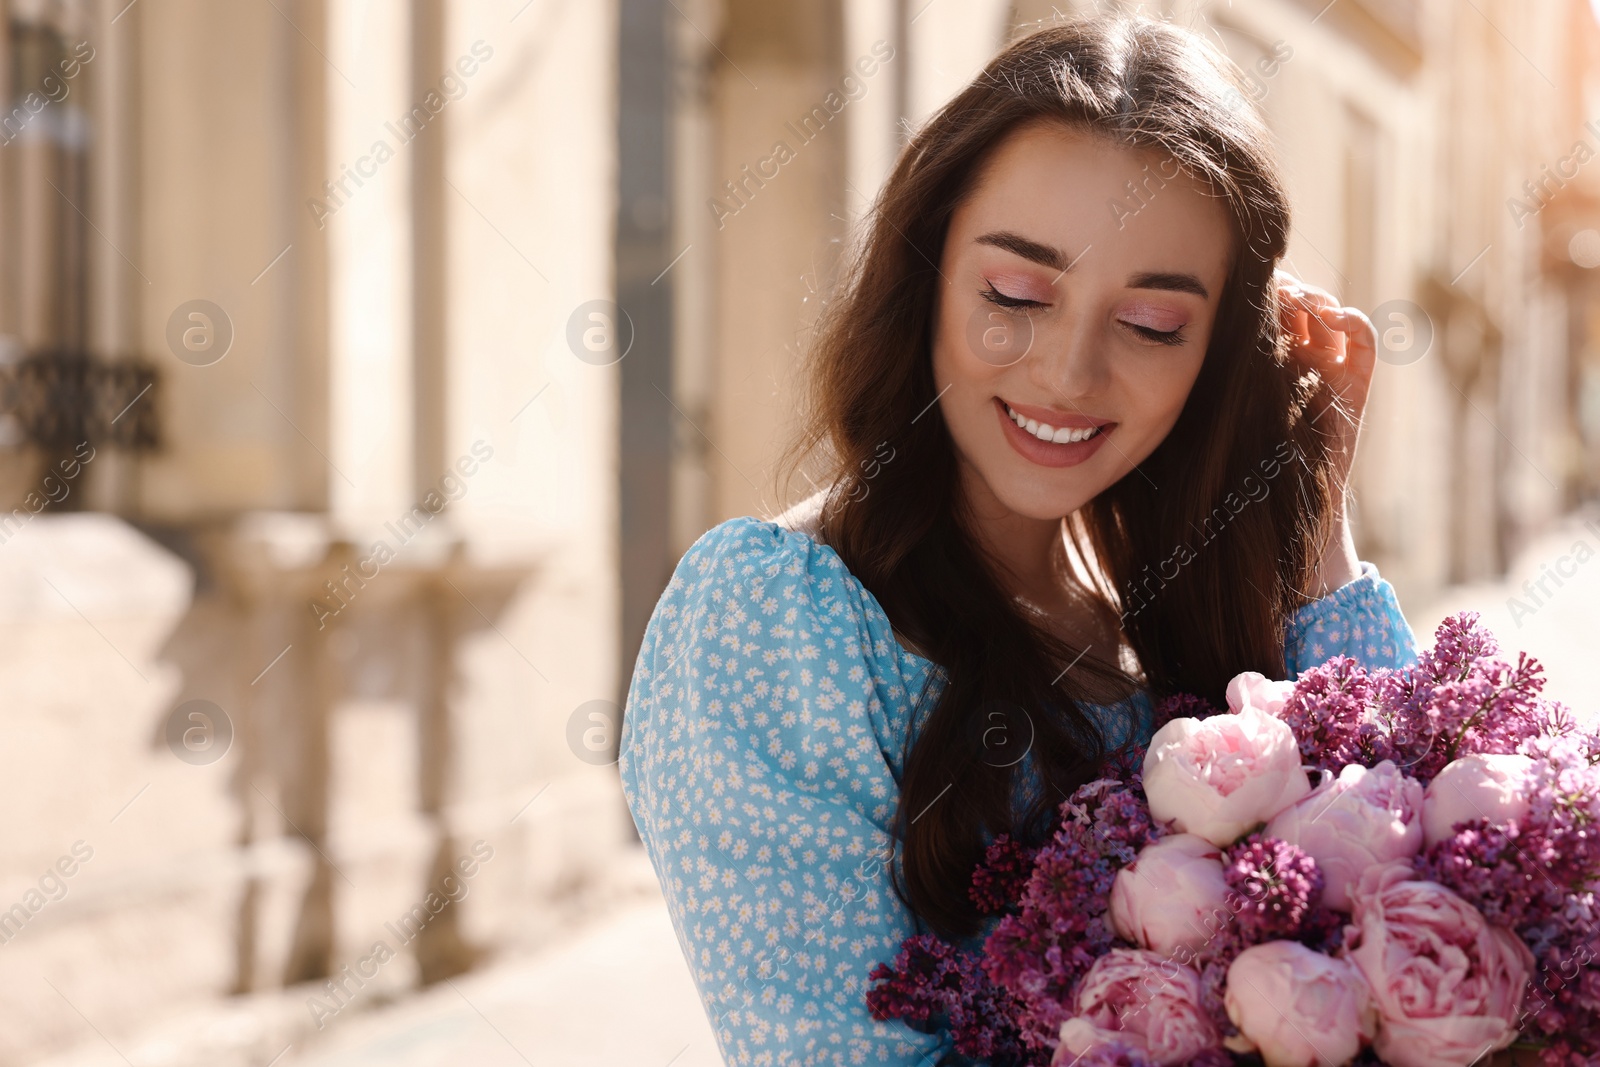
(1388, 866)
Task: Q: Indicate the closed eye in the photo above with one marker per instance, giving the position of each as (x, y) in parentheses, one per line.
(999, 299)
(1160, 337)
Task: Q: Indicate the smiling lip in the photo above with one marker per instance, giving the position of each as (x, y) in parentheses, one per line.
(1050, 453)
(1070, 420)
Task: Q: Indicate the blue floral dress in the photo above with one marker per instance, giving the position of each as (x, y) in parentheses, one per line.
(761, 756)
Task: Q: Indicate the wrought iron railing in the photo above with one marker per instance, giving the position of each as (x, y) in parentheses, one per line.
(57, 399)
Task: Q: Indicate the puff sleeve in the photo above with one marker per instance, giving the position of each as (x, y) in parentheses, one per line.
(760, 746)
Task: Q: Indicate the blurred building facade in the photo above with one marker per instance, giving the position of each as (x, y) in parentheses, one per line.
(338, 622)
(370, 363)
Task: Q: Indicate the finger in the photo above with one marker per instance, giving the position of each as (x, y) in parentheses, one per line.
(1293, 320)
(1301, 320)
(1324, 337)
(1290, 294)
(1286, 277)
(1361, 337)
(1297, 319)
(1353, 323)
(1311, 297)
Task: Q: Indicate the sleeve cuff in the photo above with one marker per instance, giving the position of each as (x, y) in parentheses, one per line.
(1361, 618)
(1366, 583)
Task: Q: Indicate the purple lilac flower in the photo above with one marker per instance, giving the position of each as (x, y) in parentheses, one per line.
(1459, 699)
(998, 882)
(1525, 872)
(1563, 741)
(1458, 642)
(1498, 870)
(1038, 954)
(1564, 1053)
(1183, 706)
(981, 1023)
(1273, 888)
(1329, 714)
(1558, 721)
(933, 985)
(1214, 988)
(1563, 1002)
(917, 986)
(1590, 745)
(1125, 763)
(1122, 825)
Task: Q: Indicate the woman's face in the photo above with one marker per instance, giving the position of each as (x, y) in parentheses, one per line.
(1080, 282)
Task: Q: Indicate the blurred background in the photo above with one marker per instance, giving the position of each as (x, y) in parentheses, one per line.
(366, 365)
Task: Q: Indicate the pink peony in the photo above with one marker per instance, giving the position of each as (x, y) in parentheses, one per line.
(1479, 786)
(1256, 690)
(1297, 1007)
(1136, 997)
(1349, 823)
(1447, 985)
(1218, 777)
(1172, 897)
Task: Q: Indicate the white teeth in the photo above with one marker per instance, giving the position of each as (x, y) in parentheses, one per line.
(1045, 432)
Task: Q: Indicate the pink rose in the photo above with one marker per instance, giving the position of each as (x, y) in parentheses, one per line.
(1256, 690)
(1297, 1007)
(1447, 985)
(1148, 1002)
(1475, 787)
(1220, 776)
(1349, 823)
(1172, 897)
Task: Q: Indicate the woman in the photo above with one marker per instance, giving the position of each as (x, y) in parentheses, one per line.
(1078, 464)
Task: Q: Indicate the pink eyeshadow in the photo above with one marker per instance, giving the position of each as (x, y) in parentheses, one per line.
(1020, 287)
(1152, 317)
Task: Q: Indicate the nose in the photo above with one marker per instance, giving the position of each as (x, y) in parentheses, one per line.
(1068, 360)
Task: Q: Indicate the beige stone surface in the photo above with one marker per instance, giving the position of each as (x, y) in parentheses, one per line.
(1558, 625)
(617, 993)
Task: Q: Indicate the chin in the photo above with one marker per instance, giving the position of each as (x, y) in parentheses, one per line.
(1032, 497)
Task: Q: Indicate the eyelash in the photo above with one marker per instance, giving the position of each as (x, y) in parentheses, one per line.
(1171, 337)
(999, 299)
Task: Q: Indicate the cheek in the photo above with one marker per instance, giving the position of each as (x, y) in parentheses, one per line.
(953, 363)
(1159, 388)
(964, 383)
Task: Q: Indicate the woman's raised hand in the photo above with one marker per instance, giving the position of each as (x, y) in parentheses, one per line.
(1340, 344)
(1337, 342)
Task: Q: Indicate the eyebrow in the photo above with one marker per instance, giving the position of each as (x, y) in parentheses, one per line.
(1052, 257)
(1177, 283)
(1015, 243)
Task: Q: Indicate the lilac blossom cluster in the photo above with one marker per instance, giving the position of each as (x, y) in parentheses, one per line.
(936, 986)
(1060, 926)
(1273, 889)
(998, 882)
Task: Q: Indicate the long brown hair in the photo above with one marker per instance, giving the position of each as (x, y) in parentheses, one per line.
(1197, 607)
